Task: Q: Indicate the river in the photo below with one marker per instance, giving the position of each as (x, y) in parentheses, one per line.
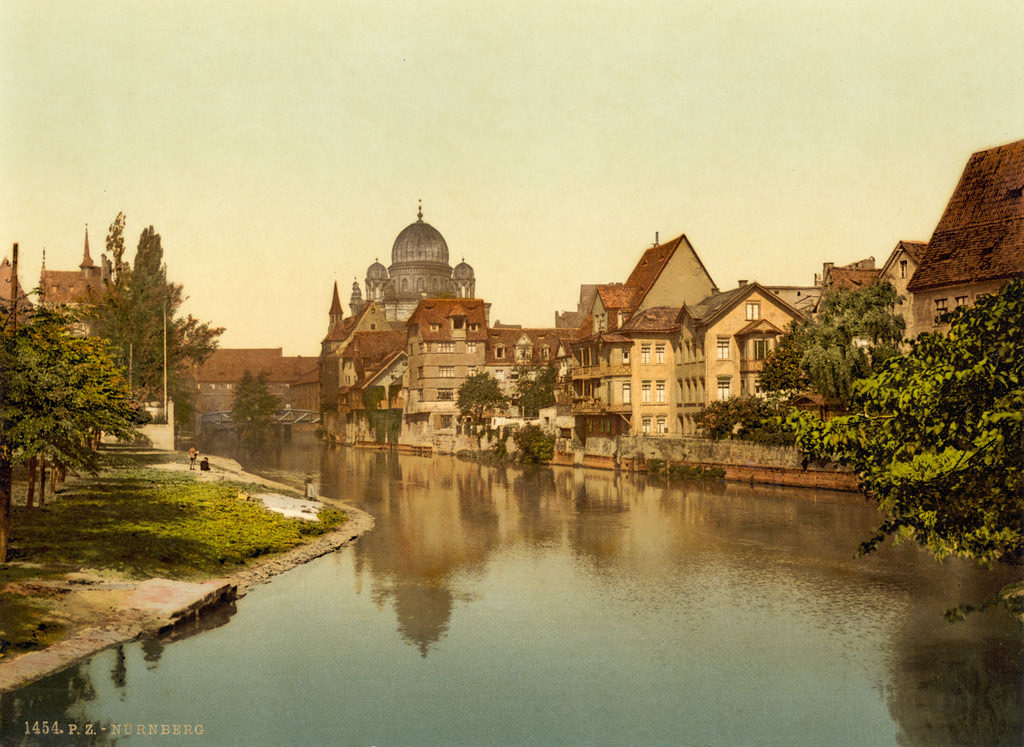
(495, 605)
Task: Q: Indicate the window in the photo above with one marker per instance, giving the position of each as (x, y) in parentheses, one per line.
(474, 327)
(662, 425)
(723, 387)
(625, 355)
(753, 310)
(446, 421)
(446, 372)
(419, 371)
(458, 322)
(499, 352)
(645, 354)
(941, 306)
(903, 268)
(470, 347)
(647, 425)
(446, 395)
(423, 347)
(760, 350)
(627, 393)
(446, 347)
(659, 354)
(961, 301)
(545, 353)
(500, 374)
(645, 391)
(435, 327)
(659, 391)
(723, 348)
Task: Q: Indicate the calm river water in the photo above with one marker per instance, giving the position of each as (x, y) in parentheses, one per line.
(557, 607)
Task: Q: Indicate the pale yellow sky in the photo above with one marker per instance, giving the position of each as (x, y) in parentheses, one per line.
(279, 146)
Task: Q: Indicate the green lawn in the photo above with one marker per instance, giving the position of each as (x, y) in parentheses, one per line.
(145, 522)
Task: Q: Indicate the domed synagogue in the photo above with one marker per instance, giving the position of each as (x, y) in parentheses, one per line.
(419, 269)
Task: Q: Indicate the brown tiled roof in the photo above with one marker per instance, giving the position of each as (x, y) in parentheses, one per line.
(847, 278)
(439, 310)
(717, 303)
(915, 249)
(228, 365)
(539, 337)
(372, 351)
(656, 319)
(652, 263)
(981, 234)
(618, 296)
(68, 286)
(341, 330)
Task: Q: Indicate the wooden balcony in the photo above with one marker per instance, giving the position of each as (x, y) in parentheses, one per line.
(601, 370)
(749, 365)
(596, 406)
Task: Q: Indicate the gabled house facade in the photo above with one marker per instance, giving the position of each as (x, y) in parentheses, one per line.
(898, 270)
(340, 330)
(446, 340)
(978, 244)
(623, 374)
(723, 341)
(371, 396)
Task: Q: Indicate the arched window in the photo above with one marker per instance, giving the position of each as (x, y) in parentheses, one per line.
(405, 285)
(420, 285)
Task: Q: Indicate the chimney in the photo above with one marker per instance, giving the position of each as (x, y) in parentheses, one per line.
(741, 283)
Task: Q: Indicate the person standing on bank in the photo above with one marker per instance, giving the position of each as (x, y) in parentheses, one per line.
(193, 452)
(311, 491)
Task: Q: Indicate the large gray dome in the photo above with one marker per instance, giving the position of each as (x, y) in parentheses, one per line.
(377, 271)
(419, 242)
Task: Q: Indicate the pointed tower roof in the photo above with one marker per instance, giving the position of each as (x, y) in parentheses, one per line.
(86, 259)
(336, 303)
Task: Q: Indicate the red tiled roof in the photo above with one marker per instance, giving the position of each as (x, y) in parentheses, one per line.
(228, 365)
(539, 338)
(915, 249)
(438, 311)
(372, 351)
(845, 278)
(68, 286)
(618, 296)
(656, 319)
(981, 234)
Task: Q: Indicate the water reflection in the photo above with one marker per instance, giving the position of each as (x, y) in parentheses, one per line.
(688, 603)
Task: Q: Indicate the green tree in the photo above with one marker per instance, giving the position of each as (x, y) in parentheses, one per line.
(781, 371)
(253, 408)
(535, 388)
(535, 446)
(479, 393)
(852, 336)
(937, 437)
(132, 313)
(747, 419)
(58, 392)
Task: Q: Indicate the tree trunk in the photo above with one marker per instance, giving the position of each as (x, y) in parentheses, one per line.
(30, 501)
(42, 479)
(53, 480)
(5, 499)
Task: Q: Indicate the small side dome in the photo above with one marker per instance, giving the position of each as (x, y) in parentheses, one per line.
(377, 271)
(462, 271)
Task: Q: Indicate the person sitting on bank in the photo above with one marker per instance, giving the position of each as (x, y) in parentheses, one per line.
(205, 465)
(192, 454)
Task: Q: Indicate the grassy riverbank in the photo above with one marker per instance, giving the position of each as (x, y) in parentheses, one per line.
(132, 522)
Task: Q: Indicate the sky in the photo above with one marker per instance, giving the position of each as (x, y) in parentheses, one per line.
(278, 147)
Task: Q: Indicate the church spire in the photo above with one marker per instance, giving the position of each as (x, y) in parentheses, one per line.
(86, 258)
(336, 313)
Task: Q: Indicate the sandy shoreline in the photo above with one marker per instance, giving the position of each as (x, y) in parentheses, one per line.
(103, 612)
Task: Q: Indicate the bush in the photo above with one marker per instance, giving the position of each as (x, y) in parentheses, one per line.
(536, 446)
(747, 419)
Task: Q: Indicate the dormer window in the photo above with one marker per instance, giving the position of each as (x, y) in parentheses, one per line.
(499, 352)
(458, 322)
(474, 326)
(435, 327)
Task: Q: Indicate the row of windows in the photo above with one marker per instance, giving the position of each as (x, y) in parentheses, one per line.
(660, 425)
(457, 322)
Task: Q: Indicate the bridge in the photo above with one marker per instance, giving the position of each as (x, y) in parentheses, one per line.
(285, 416)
